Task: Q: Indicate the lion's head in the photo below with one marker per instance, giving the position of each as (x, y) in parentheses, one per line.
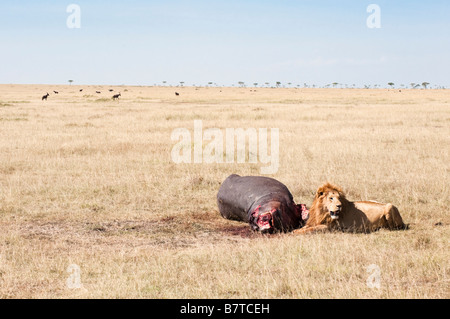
(327, 205)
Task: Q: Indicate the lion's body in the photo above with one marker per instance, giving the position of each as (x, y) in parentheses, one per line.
(332, 211)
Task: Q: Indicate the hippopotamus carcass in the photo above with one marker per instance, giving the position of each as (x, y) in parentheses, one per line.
(265, 203)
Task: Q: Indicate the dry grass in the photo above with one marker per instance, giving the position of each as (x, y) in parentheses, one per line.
(89, 181)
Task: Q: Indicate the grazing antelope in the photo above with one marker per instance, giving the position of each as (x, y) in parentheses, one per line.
(116, 96)
(81, 90)
(56, 92)
(45, 97)
(98, 92)
(110, 90)
(176, 93)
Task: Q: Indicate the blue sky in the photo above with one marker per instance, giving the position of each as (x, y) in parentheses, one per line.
(147, 42)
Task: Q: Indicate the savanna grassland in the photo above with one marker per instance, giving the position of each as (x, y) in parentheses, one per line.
(88, 181)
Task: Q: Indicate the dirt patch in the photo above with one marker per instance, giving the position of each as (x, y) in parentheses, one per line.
(243, 231)
(167, 232)
(43, 231)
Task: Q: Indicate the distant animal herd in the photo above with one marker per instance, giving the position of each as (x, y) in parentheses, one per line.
(114, 97)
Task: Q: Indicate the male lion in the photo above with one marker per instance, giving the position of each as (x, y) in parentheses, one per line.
(330, 210)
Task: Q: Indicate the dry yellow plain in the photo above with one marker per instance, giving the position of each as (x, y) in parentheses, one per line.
(93, 206)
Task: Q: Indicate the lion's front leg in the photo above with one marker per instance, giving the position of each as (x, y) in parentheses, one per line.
(311, 230)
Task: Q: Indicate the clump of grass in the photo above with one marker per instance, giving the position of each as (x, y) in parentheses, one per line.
(102, 100)
(14, 119)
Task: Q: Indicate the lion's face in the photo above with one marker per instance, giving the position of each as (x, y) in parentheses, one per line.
(331, 203)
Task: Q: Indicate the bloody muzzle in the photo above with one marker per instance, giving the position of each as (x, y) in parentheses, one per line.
(263, 219)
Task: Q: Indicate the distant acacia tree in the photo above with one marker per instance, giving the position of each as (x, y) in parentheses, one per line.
(70, 82)
(278, 83)
(335, 84)
(391, 84)
(267, 83)
(181, 83)
(255, 84)
(413, 85)
(425, 84)
(241, 84)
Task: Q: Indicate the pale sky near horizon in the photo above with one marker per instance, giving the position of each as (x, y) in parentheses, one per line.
(146, 42)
